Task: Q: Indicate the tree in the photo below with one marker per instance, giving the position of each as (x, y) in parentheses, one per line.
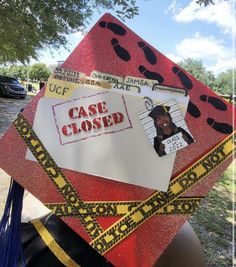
(24, 72)
(196, 68)
(4, 71)
(206, 2)
(39, 72)
(26, 26)
(225, 82)
(15, 71)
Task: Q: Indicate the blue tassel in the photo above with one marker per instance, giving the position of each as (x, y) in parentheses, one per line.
(11, 251)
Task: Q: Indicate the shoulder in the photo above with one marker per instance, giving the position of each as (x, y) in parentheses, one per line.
(181, 130)
(185, 133)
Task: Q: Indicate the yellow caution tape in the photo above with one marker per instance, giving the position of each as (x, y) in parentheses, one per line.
(157, 203)
(184, 205)
(56, 176)
(159, 200)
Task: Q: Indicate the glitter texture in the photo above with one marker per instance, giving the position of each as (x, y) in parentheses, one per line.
(95, 52)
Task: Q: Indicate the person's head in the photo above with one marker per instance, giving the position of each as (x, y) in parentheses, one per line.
(162, 119)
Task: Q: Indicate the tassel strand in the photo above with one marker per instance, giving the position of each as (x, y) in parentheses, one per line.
(11, 251)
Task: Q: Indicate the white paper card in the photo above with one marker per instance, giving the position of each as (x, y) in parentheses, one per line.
(99, 132)
(174, 143)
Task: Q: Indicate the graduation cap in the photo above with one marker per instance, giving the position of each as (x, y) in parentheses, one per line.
(158, 111)
(120, 238)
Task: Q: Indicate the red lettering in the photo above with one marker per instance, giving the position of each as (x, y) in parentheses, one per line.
(73, 113)
(75, 129)
(107, 121)
(117, 117)
(65, 129)
(86, 125)
(82, 112)
(92, 109)
(97, 123)
(102, 108)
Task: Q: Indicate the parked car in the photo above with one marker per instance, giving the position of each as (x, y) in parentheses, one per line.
(11, 87)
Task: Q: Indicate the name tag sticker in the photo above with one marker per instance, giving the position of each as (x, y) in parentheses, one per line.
(59, 89)
(106, 77)
(139, 81)
(174, 143)
(67, 75)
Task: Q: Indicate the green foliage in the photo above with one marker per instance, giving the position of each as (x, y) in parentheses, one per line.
(15, 71)
(206, 2)
(4, 71)
(36, 72)
(39, 72)
(222, 84)
(214, 221)
(196, 68)
(26, 26)
(128, 9)
(225, 82)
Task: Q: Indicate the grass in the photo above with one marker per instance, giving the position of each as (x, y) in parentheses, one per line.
(214, 221)
(34, 85)
(35, 88)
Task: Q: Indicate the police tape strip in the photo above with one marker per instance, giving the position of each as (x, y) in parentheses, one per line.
(158, 200)
(56, 176)
(182, 205)
(52, 244)
(105, 240)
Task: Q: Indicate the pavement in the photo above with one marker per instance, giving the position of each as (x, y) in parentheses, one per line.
(4, 187)
(33, 208)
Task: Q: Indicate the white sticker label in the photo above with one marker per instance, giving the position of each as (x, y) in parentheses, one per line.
(139, 81)
(106, 77)
(174, 143)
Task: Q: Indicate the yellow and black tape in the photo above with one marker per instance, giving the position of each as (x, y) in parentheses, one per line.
(156, 203)
(159, 200)
(57, 177)
(182, 205)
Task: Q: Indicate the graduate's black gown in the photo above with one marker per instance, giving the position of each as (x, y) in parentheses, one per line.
(37, 254)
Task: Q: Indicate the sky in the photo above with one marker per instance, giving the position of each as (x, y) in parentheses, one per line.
(177, 28)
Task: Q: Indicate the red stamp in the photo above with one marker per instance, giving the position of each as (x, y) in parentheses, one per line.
(91, 116)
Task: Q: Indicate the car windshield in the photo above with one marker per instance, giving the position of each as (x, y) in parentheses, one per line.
(8, 80)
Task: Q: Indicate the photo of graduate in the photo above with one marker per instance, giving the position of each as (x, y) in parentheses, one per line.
(165, 128)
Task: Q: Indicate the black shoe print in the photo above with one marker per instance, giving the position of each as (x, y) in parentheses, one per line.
(150, 75)
(214, 101)
(193, 110)
(224, 128)
(121, 52)
(186, 82)
(115, 28)
(150, 56)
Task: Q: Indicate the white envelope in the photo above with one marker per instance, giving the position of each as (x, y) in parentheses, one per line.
(103, 138)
